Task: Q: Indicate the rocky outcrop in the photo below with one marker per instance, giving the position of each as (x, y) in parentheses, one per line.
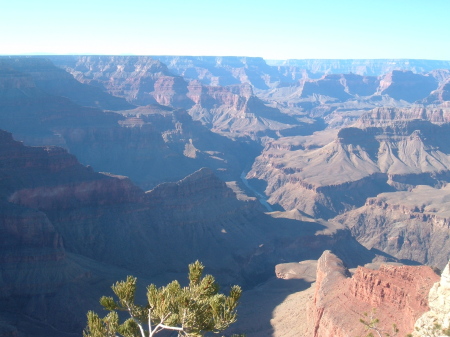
(235, 111)
(64, 225)
(437, 319)
(324, 177)
(171, 91)
(440, 95)
(363, 67)
(405, 85)
(130, 77)
(34, 112)
(149, 144)
(410, 225)
(340, 87)
(225, 71)
(382, 117)
(55, 81)
(398, 293)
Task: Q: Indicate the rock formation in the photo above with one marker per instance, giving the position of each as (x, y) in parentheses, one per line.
(234, 111)
(201, 121)
(440, 95)
(149, 144)
(129, 77)
(405, 85)
(340, 87)
(437, 319)
(63, 225)
(323, 176)
(398, 293)
(385, 116)
(410, 225)
(55, 81)
(225, 71)
(366, 67)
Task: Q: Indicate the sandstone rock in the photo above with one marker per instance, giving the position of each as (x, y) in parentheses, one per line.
(224, 71)
(146, 144)
(440, 95)
(324, 177)
(55, 81)
(411, 225)
(171, 91)
(405, 85)
(397, 293)
(129, 77)
(235, 111)
(340, 87)
(439, 303)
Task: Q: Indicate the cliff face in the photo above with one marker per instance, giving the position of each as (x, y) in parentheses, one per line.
(66, 229)
(225, 71)
(323, 176)
(385, 116)
(408, 225)
(340, 299)
(130, 77)
(149, 144)
(439, 303)
(230, 109)
(405, 85)
(341, 87)
(441, 94)
(55, 81)
(235, 111)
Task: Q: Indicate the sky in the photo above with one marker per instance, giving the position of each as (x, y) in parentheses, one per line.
(275, 30)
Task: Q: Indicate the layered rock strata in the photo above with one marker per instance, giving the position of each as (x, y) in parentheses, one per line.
(410, 225)
(399, 295)
(55, 81)
(407, 86)
(328, 173)
(66, 229)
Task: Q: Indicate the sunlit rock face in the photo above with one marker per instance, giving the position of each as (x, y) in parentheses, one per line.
(439, 302)
(398, 293)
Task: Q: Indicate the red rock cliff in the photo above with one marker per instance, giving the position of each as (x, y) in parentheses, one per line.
(398, 293)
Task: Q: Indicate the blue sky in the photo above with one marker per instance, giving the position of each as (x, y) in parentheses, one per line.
(280, 29)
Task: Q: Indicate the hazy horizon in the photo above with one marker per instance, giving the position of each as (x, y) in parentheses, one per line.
(244, 56)
(302, 30)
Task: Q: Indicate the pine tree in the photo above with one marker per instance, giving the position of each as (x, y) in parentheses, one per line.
(190, 311)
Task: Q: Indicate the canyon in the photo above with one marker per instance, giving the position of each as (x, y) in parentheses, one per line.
(118, 165)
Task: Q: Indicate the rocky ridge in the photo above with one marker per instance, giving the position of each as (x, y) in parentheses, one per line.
(405, 85)
(341, 299)
(394, 147)
(149, 144)
(130, 77)
(363, 67)
(64, 224)
(309, 175)
(42, 73)
(410, 225)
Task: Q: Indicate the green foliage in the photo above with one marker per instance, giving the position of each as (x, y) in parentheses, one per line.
(191, 311)
(372, 324)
